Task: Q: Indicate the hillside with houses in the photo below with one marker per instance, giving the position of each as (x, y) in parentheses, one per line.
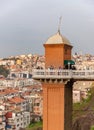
(21, 97)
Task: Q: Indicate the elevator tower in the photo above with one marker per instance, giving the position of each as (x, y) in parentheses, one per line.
(57, 92)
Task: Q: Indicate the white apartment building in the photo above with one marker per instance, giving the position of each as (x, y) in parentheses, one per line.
(16, 82)
(2, 117)
(76, 96)
(18, 120)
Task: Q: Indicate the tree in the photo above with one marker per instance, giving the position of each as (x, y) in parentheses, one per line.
(4, 71)
(92, 128)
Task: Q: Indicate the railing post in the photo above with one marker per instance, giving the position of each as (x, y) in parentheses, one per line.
(71, 73)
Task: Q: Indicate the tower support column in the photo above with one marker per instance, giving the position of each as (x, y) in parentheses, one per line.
(57, 105)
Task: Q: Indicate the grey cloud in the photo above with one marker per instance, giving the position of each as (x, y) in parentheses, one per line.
(26, 24)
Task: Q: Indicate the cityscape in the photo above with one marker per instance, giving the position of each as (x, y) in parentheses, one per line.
(21, 97)
(46, 65)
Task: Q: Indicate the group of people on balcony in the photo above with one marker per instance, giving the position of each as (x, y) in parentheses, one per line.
(52, 67)
(61, 68)
(52, 70)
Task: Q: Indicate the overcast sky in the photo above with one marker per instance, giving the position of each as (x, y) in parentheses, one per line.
(25, 25)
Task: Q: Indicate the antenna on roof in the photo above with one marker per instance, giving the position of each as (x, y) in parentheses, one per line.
(59, 24)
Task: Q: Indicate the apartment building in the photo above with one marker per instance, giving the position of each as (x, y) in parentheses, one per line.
(17, 120)
(2, 116)
(80, 90)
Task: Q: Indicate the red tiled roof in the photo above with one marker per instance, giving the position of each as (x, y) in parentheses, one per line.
(10, 91)
(16, 100)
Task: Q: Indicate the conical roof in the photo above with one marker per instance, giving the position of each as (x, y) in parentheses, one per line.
(57, 39)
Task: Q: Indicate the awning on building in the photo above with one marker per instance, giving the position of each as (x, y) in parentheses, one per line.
(71, 62)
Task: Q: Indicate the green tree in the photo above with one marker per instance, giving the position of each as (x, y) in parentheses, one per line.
(4, 71)
(92, 128)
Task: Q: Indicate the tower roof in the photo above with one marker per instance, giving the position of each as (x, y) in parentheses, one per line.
(57, 39)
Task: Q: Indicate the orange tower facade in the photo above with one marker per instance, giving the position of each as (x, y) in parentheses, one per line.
(57, 50)
(57, 93)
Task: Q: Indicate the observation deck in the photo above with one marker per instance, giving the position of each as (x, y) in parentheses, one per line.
(42, 74)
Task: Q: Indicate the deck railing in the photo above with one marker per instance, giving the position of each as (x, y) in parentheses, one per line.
(65, 74)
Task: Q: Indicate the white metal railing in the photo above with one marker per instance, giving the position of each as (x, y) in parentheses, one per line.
(65, 74)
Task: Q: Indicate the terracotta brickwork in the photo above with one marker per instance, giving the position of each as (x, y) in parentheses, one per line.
(57, 96)
(53, 111)
(57, 106)
(67, 52)
(55, 54)
(68, 106)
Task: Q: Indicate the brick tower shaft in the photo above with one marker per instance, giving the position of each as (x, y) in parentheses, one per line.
(57, 94)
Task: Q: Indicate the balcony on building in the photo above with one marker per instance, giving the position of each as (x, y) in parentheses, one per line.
(47, 74)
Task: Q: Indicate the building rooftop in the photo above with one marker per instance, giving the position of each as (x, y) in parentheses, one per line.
(57, 39)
